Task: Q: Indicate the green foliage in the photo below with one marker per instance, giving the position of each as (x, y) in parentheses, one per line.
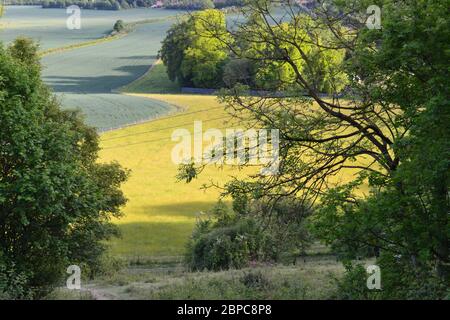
(56, 201)
(189, 4)
(225, 247)
(353, 286)
(197, 53)
(233, 239)
(406, 214)
(172, 50)
(192, 55)
(114, 5)
(119, 26)
(13, 284)
(392, 133)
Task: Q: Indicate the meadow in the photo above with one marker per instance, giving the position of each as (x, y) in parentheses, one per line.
(312, 279)
(161, 212)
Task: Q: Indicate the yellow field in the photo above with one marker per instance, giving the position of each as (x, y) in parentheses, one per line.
(161, 212)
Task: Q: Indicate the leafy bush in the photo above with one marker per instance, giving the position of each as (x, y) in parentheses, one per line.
(13, 284)
(255, 280)
(119, 26)
(56, 200)
(226, 247)
(229, 239)
(353, 286)
(397, 282)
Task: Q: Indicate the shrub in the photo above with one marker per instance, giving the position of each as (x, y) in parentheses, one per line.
(229, 239)
(353, 285)
(119, 26)
(255, 280)
(226, 247)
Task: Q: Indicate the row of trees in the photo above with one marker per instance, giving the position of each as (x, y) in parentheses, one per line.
(195, 59)
(390, 132)
(127, 4)
(201, 4)
(101, 5)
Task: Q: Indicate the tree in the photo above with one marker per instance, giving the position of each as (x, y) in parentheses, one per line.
(191, 56)
(390, 131)
(206, 56)
(119, 26)
(172, 50)
(56, 200)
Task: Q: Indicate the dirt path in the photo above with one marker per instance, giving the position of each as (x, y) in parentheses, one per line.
(100, 294)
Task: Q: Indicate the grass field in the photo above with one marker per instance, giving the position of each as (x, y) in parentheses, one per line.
(161, 212)
(87, 78)
(154, 81)
(48, 26)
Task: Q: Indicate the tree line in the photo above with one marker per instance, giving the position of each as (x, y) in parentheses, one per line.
(128, 4)
(195, 59)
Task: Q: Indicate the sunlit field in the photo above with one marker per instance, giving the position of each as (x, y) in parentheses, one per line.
(161, 212)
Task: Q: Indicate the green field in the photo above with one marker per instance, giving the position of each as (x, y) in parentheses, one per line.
(161, 212)
(87, 78)
(48, 26)
(154, 81)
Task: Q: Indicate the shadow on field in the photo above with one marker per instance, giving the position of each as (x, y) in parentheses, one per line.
(184, 209)
(144, 239)
(100, 84)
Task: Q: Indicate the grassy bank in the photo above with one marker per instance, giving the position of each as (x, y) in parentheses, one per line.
(154, 81)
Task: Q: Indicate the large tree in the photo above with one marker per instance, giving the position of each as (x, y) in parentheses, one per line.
(388, 128)
(56, 200)
(193, 58)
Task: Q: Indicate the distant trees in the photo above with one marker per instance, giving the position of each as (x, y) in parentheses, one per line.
(119, 26)
(189, 4)
(56, 200)
(201, 52)
(100, 5)
(127, 4)
(190, 57)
